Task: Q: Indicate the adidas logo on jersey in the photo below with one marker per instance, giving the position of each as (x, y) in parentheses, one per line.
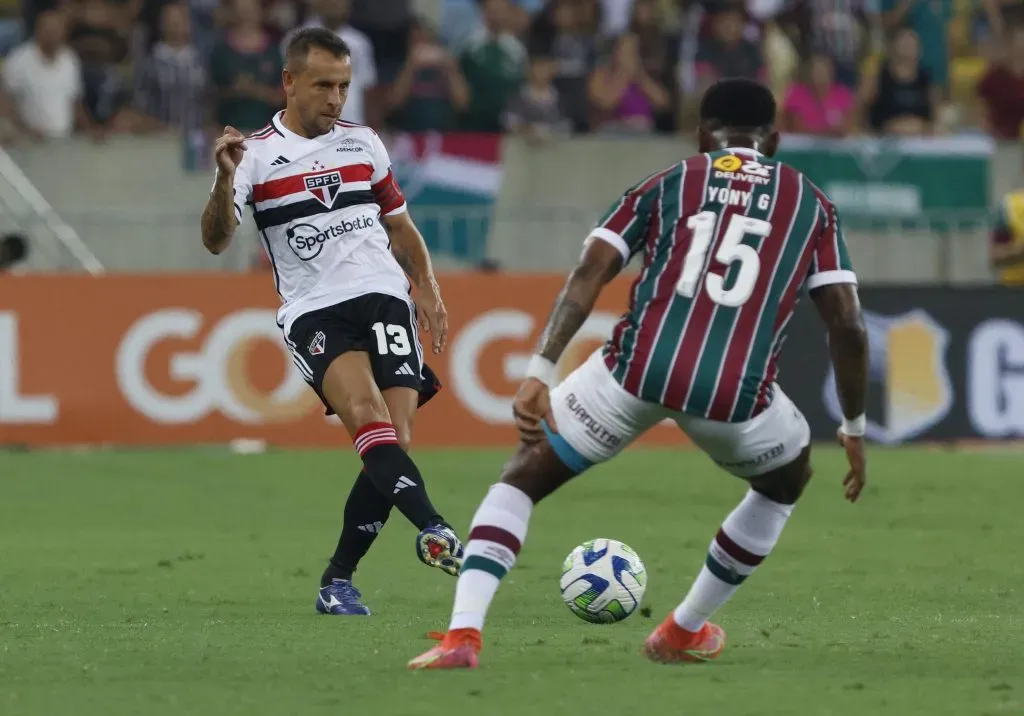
(281, 159)
(373, 528)
(404, 369)
(403, 482)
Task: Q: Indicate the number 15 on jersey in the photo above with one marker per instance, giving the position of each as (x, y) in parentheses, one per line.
(731, 250)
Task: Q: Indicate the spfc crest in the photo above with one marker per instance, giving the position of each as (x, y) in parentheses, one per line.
(909, 388)
(324, 186)
(317, 344)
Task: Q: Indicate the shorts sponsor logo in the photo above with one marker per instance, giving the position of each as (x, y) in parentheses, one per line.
(756, 461)
(317, 345)
(324, 187)
(307, 241)
(907, 366)
(601, 433)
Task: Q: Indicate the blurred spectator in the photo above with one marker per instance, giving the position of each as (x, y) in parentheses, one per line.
(11, 29)
(930, 20)
(387, 24)
(493, 63)
(623, 95)
(1006, 251)
(334, 15)
(1002, 91)
(13, 249)
(566, 30)
(727, 53)
(659, 54)
(245, 70)
(99, 36)
(430, 90)
(461, 20)
(900, 99)
(202, 25)
(817, 104)
(113, 18)
(170, 81)
(535, 112)
(43, 80)
(616, 16)
(841, 29)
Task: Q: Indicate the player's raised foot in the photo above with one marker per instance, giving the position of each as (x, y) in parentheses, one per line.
(439, 546)
(671, 644)
(458, 649)
(341, 598)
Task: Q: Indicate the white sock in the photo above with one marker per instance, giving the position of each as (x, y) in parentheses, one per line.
(495, 538)
(746, 537)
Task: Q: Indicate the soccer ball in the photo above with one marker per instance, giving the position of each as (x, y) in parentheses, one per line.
(603, 581)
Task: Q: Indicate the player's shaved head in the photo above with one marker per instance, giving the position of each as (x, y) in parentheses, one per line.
(738, 111)
(313, 38)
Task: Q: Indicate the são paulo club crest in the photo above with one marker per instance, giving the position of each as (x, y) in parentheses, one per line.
(324, 186)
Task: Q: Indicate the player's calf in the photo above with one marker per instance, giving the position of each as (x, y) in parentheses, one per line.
(747, 536)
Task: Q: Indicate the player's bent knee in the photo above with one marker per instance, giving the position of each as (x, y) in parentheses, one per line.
(786, 484)
(536, 470)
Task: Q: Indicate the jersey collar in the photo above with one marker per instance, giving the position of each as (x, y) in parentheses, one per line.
(289, 134)
(743, 150)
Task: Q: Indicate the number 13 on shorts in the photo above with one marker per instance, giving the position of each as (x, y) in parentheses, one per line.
(392, 339)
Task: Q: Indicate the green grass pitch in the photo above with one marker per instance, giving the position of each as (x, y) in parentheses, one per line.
(182, 582)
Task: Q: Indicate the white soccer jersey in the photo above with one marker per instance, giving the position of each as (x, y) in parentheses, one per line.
(318, 204)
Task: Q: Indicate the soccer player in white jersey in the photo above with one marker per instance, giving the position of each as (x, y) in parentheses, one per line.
(325, 203)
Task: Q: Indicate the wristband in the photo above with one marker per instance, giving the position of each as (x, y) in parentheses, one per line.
(542, 369)
(854, 427)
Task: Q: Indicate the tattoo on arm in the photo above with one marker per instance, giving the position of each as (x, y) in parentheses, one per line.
(404, 261)
(566, 319)
(219, 221)
(574, 304)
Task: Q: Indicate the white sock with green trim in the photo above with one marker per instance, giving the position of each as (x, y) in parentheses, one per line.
(495, 538)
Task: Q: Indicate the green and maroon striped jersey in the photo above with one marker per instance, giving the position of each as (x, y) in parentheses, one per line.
(729, 240)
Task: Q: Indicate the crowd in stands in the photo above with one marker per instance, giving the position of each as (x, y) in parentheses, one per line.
(536, 67)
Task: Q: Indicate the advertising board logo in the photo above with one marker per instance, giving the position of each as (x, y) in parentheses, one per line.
(907, 364)
(219, 373)
(476, 391)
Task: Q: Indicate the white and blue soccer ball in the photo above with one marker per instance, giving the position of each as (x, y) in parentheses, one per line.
(603, 581)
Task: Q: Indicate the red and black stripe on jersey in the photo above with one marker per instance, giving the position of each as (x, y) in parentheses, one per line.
(385, 194)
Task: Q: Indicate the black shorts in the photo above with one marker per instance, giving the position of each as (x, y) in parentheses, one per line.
(383, 326)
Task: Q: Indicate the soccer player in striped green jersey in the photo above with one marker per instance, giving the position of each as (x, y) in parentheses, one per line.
(729, 239)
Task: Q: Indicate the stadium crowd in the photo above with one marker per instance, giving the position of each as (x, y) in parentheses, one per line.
(538, 67)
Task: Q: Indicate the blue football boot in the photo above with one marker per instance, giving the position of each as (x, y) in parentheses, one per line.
(341, 598)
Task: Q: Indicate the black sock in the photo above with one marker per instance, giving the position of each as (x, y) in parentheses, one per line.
(366, 512)
(395, 474)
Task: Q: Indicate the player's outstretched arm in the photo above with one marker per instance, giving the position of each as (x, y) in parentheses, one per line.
(600, 263)
(219, 219)
(839, 307)
(410, 251)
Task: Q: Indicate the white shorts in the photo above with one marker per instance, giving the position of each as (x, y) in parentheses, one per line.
(596, 418)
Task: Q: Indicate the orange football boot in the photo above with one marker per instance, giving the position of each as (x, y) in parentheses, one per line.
(671, 644)
(459, 649)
